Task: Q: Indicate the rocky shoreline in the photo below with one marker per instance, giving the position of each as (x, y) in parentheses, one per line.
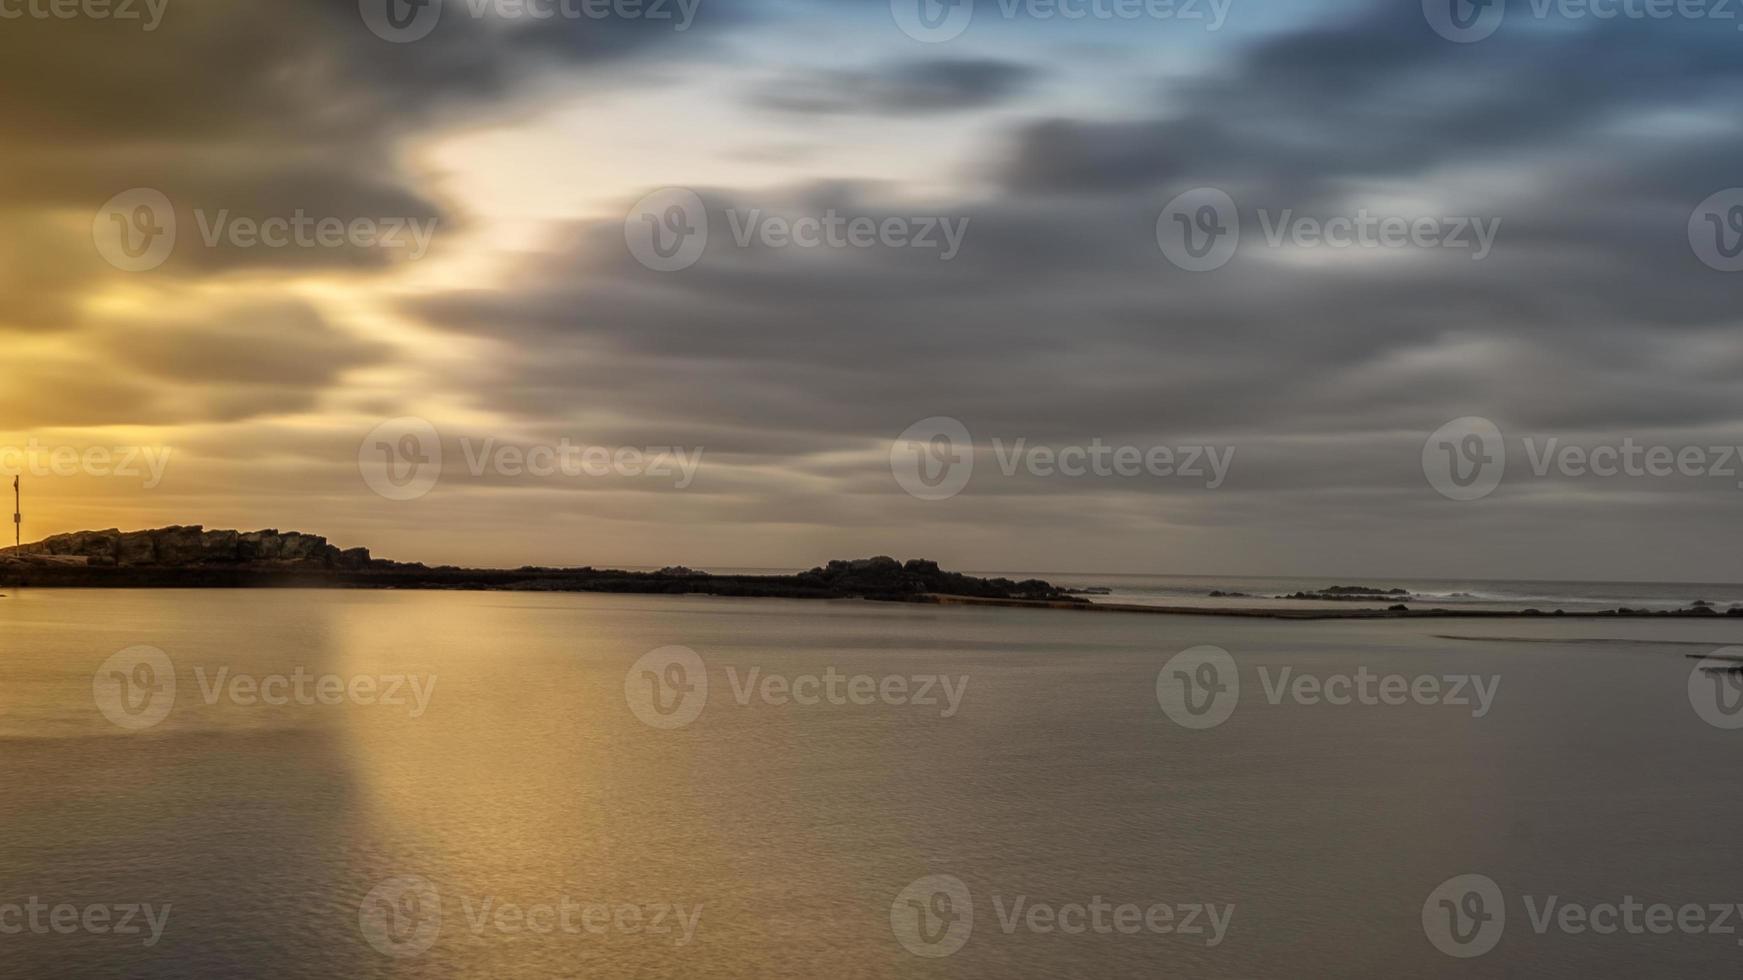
(193, 557)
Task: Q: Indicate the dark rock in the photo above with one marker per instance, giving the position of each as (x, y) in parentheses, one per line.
(138, 548)
(352, 558)
(883, 577)
(193, 546)
(1348, 593)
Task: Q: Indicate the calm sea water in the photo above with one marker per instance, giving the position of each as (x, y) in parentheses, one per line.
(1544, 596)
(562, 804)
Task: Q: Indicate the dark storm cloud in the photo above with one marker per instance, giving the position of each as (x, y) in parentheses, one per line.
(236, 362)
(257, 110)
(1381, 94)
(286, 345)
(1061, 321)
(907, 88)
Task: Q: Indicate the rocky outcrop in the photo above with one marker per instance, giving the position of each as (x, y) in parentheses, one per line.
(1348, 593)
(884, 577)
(189, 546)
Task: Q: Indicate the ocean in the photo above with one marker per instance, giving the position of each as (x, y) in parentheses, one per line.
(1545, 596)
(377, 784)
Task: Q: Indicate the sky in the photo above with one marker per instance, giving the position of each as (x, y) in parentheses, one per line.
(1150, 286)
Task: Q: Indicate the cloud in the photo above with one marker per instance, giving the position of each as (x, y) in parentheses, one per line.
(260, 110)
(1379, 94)
(1061, 321)
(905, 88)
(279, 345)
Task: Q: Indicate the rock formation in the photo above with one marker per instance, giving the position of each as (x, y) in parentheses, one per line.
(190, 546)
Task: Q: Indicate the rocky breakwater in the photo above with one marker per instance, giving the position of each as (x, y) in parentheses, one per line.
(191, 546)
